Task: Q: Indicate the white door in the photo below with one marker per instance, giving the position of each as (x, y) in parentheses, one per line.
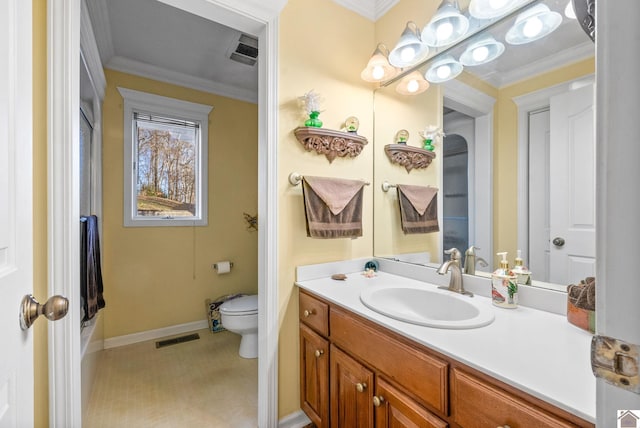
(16, 236)
(572, 213)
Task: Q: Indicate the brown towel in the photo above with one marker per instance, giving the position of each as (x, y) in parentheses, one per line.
(418, 208)
(333, 207)
(583, 295)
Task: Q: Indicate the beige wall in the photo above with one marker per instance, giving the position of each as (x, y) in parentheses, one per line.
(505, 158)
(160, 276)
(40, 290)
(322, 47)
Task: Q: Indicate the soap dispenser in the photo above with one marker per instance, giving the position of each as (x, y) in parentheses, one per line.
(523, 275)
(504, 288)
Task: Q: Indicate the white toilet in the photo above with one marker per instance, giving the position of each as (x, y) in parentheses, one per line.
(240, 316)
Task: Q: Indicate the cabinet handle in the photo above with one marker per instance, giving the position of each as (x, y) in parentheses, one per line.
(377, 401)
(319, 352)
(308, 312)
(361, 386)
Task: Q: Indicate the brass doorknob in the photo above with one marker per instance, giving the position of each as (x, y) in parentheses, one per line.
(53, 309)
(377, 401)
(360, 387)
(319, 352)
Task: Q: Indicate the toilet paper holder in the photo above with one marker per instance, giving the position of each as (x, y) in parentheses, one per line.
(215, 265)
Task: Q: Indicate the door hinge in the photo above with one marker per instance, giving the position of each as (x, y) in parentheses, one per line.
(616, 362)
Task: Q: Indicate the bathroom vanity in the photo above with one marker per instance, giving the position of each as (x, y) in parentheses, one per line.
(362, 369)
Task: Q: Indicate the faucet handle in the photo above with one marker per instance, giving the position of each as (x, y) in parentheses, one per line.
(471, 251)
(454, 252)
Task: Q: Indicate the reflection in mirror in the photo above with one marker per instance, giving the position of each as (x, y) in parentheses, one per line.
(512, 190)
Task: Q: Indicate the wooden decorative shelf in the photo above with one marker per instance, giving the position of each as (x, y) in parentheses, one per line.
(329, 142)
(408, 156)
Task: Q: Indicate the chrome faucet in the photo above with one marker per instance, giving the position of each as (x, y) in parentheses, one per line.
(470, 261)
(453, 265)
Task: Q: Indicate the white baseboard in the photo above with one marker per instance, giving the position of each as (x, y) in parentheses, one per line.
(128, 339)
(294, 420)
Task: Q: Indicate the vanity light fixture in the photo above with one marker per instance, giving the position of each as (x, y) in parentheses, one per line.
(412, 84)
(444, 69)
(447, 26)
(378, 67)
(533, 24)
(569, 11)
(489, 9)
(410, 49)
(482, 51)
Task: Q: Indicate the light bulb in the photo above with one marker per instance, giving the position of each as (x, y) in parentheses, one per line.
(413, 86)
(532, 27)
(443, 71)
(377, 72)
(407, 54)
(497, 4)
(569, 11)
(444, 31)
(480, 53)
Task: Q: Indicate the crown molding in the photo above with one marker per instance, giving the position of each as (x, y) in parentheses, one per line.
(101, 28)
(126, 65)
(90, 52)
(568, 56)
(370, 9)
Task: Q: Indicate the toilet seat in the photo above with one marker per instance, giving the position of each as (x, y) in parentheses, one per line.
(246, 305)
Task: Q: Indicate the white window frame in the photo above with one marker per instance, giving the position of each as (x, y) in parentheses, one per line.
(136, 101)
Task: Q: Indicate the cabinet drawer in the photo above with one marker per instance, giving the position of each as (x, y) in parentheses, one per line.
(419, 373)
(476, 403)
(314, 313)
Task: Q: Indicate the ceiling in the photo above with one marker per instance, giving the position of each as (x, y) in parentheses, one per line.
(156, 40)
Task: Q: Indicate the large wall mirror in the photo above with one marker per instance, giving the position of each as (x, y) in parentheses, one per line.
(516, 169)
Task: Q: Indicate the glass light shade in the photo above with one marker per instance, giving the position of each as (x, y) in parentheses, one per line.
(444, 69)
(482, 51)
(533, 24)
(447, 26)
(410, 50)
(490, 9)
(378, 68)
(412, 84)
(569, 11)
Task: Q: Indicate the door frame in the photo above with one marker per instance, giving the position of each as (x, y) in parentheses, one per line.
(526, 104)
(63, 56)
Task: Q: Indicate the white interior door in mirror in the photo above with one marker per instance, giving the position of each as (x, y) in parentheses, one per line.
(572, 186)
(16, 196)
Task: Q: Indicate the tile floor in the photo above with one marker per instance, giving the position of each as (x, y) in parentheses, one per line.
(202, 383)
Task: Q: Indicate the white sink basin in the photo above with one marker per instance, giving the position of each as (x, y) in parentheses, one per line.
(427, 305)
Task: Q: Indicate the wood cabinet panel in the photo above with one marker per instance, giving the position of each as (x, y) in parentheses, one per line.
(351, 392)
(314, 313)
(421, 374)
(314, 376)
(397, 410)
(478, 404)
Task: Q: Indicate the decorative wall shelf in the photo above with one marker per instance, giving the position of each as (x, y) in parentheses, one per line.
(329, 142)
(408, 156)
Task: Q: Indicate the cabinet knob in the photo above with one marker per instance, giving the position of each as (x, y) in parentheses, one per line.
(361, 386)
(377, 401)
(319, 352)
(308, 312)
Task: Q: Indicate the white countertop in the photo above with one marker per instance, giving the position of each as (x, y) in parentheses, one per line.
(536, 351)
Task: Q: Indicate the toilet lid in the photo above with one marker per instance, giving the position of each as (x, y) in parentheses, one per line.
(241, 305)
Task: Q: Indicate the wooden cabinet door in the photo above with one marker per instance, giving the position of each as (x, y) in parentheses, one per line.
(394, 409)
(351, 392)
(314, 376)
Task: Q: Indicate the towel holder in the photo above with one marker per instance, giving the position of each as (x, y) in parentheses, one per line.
(386, 186)
(295, 179)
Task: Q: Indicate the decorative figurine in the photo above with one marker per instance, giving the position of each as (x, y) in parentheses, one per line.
(311, 101)
(430, 135)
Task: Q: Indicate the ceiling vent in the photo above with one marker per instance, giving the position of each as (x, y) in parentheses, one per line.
(247, 50)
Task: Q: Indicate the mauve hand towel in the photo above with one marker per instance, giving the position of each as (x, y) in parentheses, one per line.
(418, 208)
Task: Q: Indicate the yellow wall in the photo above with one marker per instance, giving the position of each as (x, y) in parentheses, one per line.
(505, 159)
(322, 47)
(160, 276)
(40, 351)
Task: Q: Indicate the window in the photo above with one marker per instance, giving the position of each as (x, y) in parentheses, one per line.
(165, 158)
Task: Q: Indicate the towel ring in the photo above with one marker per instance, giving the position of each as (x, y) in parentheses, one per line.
(295, 178)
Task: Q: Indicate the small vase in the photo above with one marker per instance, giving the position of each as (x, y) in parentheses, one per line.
(313, 120)
(428, 145)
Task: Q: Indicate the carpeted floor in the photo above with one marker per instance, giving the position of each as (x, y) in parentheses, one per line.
(201, 383)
